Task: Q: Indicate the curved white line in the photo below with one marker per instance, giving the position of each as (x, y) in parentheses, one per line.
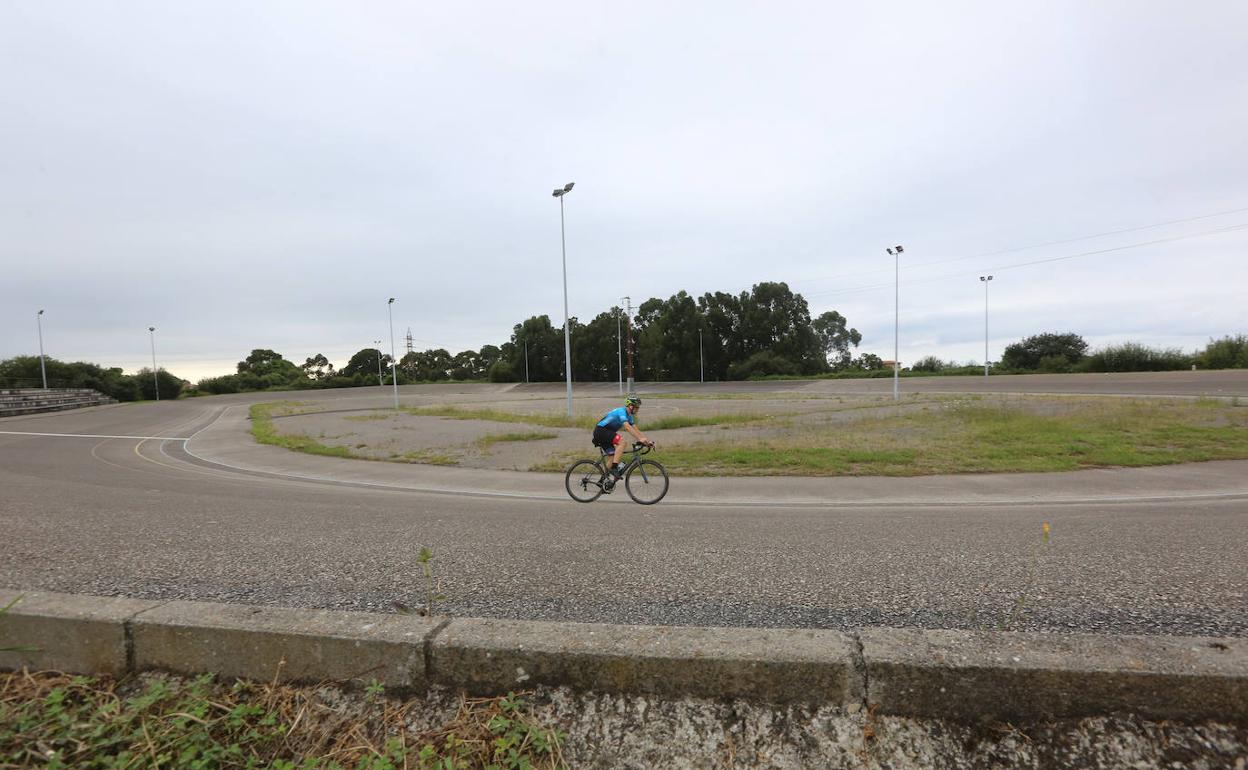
(92, 435)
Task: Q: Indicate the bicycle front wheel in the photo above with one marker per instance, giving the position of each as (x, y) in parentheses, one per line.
(646, 482)
(584, 481)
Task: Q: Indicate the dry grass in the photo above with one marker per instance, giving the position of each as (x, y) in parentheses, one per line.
(54, 720)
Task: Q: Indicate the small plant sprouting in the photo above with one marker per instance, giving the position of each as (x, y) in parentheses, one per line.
(425, 559)
(374, 690)
(19, 648)
(1031, 580)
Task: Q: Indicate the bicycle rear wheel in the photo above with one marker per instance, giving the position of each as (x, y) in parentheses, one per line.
(646, 482)
(583, 481)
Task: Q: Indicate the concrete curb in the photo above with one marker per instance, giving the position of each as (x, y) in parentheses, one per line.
(1003, 676)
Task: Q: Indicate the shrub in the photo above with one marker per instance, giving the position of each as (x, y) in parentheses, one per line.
(929, 364)
(501, 371)
(1226, 353)
(1134, 357)
(170, 386)
(1026, 355)
(762, 364)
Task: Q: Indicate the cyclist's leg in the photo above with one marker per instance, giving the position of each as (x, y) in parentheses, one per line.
(619, 453)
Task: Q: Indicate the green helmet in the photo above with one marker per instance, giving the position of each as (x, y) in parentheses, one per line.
(632, 401)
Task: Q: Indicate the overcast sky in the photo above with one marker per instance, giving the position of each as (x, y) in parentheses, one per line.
(267, 174)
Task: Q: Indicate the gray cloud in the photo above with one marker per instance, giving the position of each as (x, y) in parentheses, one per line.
(245, 175)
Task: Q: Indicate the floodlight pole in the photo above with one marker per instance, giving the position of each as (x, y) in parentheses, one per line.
(381, 382)
(701, 362)
(629, 326)
(896, 252)
(394, 368)
(567, 332)
(985, 279)
(526, 360)
(151, 330)
(42, 369)
(619, 345)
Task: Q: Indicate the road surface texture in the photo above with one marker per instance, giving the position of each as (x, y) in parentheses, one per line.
(113, 501)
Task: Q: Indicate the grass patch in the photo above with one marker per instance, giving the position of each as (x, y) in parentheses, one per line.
(263, 431)
(424, 457)
(689, 421)
(57, 721)
(494, 415)
(369, 417)
(485, 442)
(977, 438)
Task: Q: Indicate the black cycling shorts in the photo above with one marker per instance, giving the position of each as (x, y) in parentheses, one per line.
(605, 437)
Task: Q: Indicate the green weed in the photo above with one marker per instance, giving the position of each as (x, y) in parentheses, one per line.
(56, 721)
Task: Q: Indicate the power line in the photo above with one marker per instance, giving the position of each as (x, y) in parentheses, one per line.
(919, 265)
(1001, 268)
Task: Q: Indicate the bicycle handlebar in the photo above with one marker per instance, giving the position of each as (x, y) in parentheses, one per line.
(641, 448)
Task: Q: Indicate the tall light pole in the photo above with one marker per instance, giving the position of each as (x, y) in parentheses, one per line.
(380, 381)
(896, 252)
(701, 366)
(43, 370)
(567, 333)
(985, 279)
(526, 360)
(151, 330)
(394, 368)
(619, 345)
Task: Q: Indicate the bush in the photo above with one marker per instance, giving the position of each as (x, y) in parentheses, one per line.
(1134, 357)
(1055, 365)
(1226, 353)
(929, 364)
(501, 372)
(1028, 354)
(170, 386)
(218, 385)
(762, 364)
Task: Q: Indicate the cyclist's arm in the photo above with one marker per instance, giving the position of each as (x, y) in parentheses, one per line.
(637, 433)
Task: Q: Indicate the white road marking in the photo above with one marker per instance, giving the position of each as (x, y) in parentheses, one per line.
(91, 435)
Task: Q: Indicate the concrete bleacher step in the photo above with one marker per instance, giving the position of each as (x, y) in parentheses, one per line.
(21, 401)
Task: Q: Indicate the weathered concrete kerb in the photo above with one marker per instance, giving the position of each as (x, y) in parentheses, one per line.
(905, 672)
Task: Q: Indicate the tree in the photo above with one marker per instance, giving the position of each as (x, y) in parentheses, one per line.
(365, 364)
(317, 367)
(545, 350)
(1028, 353)
(269, 368)
(170, 386)
(836, 338)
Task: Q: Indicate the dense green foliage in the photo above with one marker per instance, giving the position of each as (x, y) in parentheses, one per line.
(24, 372)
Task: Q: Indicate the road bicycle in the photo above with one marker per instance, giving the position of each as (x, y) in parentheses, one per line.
(645, 480)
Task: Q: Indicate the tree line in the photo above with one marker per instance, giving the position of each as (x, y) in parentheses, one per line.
(767, 331)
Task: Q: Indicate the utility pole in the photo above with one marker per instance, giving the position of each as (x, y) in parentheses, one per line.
(896, 255)
(701, 361)
(43, 370)
(155, 381)
(629, 321)
(409, 340)
(985, 279)
(619, 347)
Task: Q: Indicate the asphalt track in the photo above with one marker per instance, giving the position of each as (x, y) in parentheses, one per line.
(91, 505)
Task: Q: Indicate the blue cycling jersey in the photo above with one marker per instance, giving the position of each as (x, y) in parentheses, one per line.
(616, 418)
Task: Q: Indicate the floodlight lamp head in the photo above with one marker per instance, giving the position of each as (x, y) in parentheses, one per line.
(568, 187)
(39, 313)
(151, 328)
(891, 253)
(900, 250)
(391, 302)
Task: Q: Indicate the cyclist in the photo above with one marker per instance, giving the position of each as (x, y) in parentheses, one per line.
(606, 435)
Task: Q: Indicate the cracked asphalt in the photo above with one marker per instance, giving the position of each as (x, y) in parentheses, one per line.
(143, 518)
